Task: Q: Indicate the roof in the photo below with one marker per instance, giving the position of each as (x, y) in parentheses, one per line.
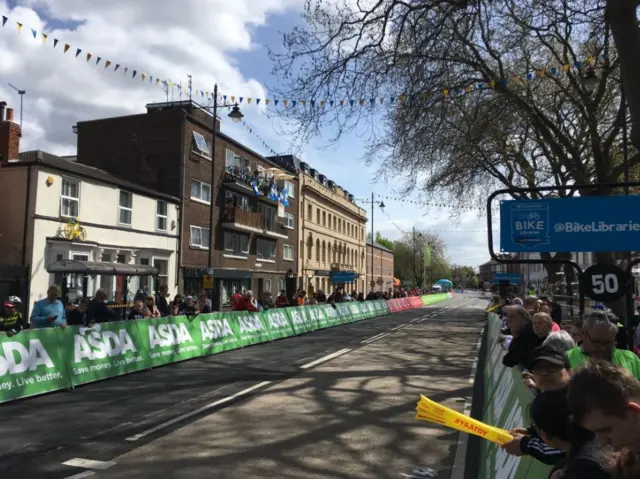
(96, 267)
(379, 246)
(53, 162)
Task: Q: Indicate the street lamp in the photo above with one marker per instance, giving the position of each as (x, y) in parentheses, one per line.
(236, 115)
(381, 204)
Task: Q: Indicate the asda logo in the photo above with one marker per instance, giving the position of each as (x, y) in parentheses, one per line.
(250, 324)
(93, 343)
(277, 320)
(17, 358)
(215, 329)
(297, 317)
(164, 335)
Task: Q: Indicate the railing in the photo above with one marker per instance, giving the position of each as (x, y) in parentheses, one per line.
(263, 184)
(242, 217)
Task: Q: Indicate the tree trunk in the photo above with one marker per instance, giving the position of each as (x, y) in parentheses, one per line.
(622, 18)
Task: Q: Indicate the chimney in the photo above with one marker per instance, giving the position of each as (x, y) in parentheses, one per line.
(10, 134)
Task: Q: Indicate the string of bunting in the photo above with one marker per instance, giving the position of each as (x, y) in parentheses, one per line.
(396, 99)
(421, 204)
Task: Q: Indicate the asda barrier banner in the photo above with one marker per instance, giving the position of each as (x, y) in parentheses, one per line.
(38, 361)
(506, 402)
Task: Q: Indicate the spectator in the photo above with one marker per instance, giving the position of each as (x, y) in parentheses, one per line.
(531, 304)
(49, 311)
(542, 325)
(599, 336)
(560, 340)
(267, 301)
(605, 399)
(152, 309)
(312, 300)
(281, 299)
(203, 304)
(137, 311)
(98, 311)
(237, 301)
(11, 321)
(161, 300)
(177, 306)
(190, 308)
(300, 298)
(77, 316)
(524, 340)
(321, 297)
(250, 304)
(586, 457)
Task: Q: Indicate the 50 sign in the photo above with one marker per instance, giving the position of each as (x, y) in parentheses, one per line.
(604, 282)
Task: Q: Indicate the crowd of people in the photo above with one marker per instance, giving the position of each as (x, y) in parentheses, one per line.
(585, 416)
(51, 311)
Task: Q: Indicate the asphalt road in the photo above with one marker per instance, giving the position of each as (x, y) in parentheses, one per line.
(334, 403)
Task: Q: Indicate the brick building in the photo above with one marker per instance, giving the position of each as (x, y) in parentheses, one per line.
(168, 149)
(382, 267)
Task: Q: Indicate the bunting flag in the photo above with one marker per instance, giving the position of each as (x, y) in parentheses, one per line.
(417, 203)
(400, 99)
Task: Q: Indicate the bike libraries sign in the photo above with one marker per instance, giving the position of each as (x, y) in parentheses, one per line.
(589, 224)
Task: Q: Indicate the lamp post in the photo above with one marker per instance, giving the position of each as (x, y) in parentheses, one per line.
(415, 254)
(236, 115)
(381, 204)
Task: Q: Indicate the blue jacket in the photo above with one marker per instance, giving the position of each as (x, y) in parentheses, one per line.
(43, 309)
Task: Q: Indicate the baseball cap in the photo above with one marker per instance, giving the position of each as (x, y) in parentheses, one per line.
(9, 304)
(551, 355)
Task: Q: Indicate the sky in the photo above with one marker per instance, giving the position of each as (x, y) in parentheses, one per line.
(211, 40)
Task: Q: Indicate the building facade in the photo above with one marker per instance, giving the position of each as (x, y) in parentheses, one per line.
(382, 273)
(254, 238)
(331, 232)
(82, 229)
(488, 270)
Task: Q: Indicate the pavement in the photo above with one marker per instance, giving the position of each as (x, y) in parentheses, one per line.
(335, 403)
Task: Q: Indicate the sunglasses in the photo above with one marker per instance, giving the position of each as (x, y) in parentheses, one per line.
(608, 342)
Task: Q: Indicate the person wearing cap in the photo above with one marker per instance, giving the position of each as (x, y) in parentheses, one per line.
(11, 321)
(550, 371)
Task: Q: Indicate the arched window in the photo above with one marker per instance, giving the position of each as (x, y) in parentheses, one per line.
(318, 215)
(324, 250)
(335, 252)
(335, 223)
(318, 250)
(310, 212)
(324, 218)
(353, 258)
(309, 246)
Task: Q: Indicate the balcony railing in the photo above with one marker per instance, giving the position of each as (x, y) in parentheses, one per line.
(241, 217)
(260, 184)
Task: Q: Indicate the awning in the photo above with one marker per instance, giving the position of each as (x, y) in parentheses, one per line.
(95, 267)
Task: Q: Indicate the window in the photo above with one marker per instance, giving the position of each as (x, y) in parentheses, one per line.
(265, 249)
(267, 285)
(324, 218)
(233, 160)
(318, 250)
(200, 145)
(324, 252)
(288, 254)
(239, 201)
(269, 216)
(163, 272)
(144, 261)
(200, 191)
(290, 189)
(125, 208)
(200, 237)
(161, 216)
(289, 220)
(70, 198)
(281, 285)
(236, 243)
(310, 212)
(318, 215)
(335, 223)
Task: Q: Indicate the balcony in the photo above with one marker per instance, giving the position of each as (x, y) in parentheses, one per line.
(239, 219)
(244, 181)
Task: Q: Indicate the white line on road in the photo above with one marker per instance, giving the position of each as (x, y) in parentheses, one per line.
(80, 475)
(397, 328)
(195, 412)
(325, 358)
(374, 339)
(472, 376)
(89, 463)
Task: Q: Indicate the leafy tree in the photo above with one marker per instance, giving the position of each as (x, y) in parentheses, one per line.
(410, 263)
(386, 242)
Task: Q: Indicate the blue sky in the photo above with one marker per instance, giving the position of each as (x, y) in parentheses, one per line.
(213, 40)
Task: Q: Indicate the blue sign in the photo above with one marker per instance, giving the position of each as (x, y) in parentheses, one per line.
(343, 277)
(587, 223)
(513, 278)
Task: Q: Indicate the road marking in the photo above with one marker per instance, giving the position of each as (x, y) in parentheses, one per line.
(89, 463)
(325, 358)
(372, 337)
(81, 475)
(195, 412)
(472, 376)
(376, 338)
(398, 328)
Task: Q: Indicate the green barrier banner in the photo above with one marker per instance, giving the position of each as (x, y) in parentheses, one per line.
(316, 312)
(252, 328)
(345, 312)
(356, 311)
(332, 315)
(219, 332)
(31, 363)
(434, 298)
(169, 340)
(299, 321)
(278, 323)
(506, 406)
(102, 351)
(311, 317)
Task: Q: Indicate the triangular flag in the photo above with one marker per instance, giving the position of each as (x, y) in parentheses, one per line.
(267, 101)
(55, 42)
(44, 38)
(294, 103)
(304, 102)
(591, 60)
(240, 99)
(34, 33)
(361, 102)
(257, 101)
(157, 81)
(4, 20)
(66, 47)
(78, 52)
(285, 102)
(565, 67)
(150, 79)
(275, 102)
(116, 68)
(126, 69)
(89, 56)
(197, 91)
(492, 84)
(331, 102)
(321, 103)
(402, 98)
(19, 25)
(233, 99)
(143, 76)
(107, 63)
(135, 72)
(98, 60)
(249, 100)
